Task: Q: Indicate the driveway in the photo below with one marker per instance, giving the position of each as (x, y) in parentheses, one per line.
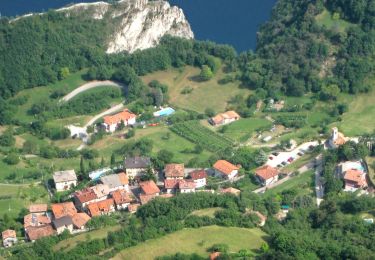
(284, 156)
(89, 85)
(319, 189)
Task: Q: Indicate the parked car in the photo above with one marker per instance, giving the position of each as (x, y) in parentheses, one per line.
(300, 154)
(311, 147)
(291, 159)
(271, 158)
(275, 153)
(284, 163)
(279, 166)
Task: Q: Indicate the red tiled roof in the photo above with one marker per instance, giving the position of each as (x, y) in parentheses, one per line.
(63, 209)
(149, 187)
(146, 198)
(33, 220)
(35, 233)
(225, 167)
(123, 178)
(121, 196)
(186, 184)
(266, 172)
(214, 255)
(96, 208)
(133, 207)
(198, 174)
(117, 118)
(36, 208)
(174, 170)
(80, 219)
(9, 233)
(355, 176)
(85, 195)
(171, 183)
(218, 119)
(231, 191)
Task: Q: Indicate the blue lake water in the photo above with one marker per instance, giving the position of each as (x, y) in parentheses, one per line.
(234, 22)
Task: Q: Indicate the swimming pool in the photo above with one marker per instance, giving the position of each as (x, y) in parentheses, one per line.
(164, 112)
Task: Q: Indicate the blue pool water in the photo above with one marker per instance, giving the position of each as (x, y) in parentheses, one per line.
(164, 112)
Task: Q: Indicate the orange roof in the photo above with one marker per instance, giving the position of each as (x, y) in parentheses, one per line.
(63, 209)
(85, 195)
(123, 178)
(35, 208)
(355, 176)
(171, 183)
(214, 255)
(35, 233)
(9, 233)
(198, 174)
(146, 198)
(33, 220)
(186, 184)
(101, 190)
(174, 170)
(133, 207)
(121, 197)
(225, 167)
(117, 118)
(80, 219)
(231, 191)
(96, 208)
(218, 119)
(266, 172)
(149, 187)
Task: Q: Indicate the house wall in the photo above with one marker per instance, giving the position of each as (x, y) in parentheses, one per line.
(223, 175)
(9, 242)
(271, 180)
(135, 172)
(174, 178)
(62, 186)
(187, 190)
(199, 183)
(62, 229)
(122, 206)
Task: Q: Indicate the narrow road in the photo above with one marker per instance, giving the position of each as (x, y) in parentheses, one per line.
(89, 85)
(107, 112)
(319, 189)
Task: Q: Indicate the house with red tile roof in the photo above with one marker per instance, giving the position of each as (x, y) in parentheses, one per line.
(171, 185)
(101, 191)
(80, 220)
(231, 190)
(174, 171)
(39, 209)
(63, 209)
(337, 138)
(186, 186)
(104, 207)
(35, 220)
(122, 199)
(133, 207)
(149, 188)
(267, 175)
(9, 237)
(225, 169)
(84, 197)
(355, 179)
(112, 122)
(199, 177)
(224, 118)
(35, 233)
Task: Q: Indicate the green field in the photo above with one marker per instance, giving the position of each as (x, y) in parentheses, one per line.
(190, 241)
(41, 94)
(209, 212)
(21, 196)
(326, 19)
(208, 94)
(243, 129)
(70, 243)
(303, 182)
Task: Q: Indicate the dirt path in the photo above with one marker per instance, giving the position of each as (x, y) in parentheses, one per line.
(90, 85)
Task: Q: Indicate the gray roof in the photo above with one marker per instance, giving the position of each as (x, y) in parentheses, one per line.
(64, 176)
(63, 221)
(137, 162)
(112, 181)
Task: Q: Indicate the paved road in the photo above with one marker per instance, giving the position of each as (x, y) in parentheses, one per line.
(89, 85)
(319, 189)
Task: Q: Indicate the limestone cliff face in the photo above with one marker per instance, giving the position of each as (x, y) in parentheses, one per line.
(137, 24)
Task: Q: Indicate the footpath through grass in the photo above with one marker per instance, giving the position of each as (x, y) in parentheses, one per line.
(189, 241)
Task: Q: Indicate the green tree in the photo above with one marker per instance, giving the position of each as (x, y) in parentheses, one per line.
(329, 92)
(82, 166)
(206, 73)
(64, 73)
(113, 159)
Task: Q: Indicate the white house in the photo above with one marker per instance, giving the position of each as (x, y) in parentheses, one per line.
(112, 122)
(224, 118)
(64, 180)
(186, 186)
(225, 169)
(63, 223)
(267, 175)
(122, 199)
(199, 177)
(136, 166)
(9, 238)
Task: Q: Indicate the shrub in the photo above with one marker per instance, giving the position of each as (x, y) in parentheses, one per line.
(12, 159)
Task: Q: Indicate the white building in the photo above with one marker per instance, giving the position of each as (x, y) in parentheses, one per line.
(136, 166)
(9, 238)
(112, 122)
(199, 177)
(64, 180)
(225, 169)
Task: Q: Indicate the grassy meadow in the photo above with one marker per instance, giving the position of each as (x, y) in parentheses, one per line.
(197, 241)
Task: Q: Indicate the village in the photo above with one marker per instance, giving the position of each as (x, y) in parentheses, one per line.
(136, 183)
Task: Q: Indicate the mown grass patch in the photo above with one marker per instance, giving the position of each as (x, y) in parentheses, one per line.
(242, 129)
(326, 19)
(207, 94)
(197, 241)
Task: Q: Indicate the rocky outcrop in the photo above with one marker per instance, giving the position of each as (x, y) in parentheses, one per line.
(138, 24)
(144, 22)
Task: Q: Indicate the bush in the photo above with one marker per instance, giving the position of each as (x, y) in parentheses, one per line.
(12, 159)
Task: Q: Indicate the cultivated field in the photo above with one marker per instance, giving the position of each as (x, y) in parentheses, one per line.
(190, 241)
